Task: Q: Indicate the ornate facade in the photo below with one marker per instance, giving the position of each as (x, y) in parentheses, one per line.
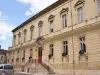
(63, 36)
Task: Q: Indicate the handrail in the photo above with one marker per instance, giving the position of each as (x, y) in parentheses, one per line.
(49, 66)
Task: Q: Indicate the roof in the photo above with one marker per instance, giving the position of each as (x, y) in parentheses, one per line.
(2, 51)
(49, 8)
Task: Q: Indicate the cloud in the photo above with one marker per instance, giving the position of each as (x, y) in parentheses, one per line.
(3, 37)
(36, 5)
(5, 28)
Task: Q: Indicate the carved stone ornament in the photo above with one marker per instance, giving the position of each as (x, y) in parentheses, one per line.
(40, 41)
(79, 2)
(64, 10)
(51, 17)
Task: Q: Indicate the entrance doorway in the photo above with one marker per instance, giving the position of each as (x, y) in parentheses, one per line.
(40, 55)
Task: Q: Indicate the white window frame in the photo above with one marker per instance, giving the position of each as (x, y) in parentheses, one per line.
(40, 30)
(82, 44)
(51, 25)
(25, 33)
(32, 31)
(31, 52)
(80, 14)
(19, 38)
(64, 20)
(65, 47)
(52, 49)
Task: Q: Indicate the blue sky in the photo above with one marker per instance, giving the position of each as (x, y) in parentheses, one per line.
(15, 12)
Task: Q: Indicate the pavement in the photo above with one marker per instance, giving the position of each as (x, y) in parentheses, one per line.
(19, 73)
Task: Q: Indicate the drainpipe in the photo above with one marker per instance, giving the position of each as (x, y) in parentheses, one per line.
(72, 38)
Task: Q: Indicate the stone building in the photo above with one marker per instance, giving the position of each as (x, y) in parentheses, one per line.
(3, 57)
(63, 36)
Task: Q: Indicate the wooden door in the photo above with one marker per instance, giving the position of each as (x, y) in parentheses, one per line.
(40, 55)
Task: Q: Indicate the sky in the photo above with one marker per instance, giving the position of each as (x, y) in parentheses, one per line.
(15, 12)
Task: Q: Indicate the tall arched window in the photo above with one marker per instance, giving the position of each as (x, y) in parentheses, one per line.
(31, 52)
(25, 33)
(19, 37)
(63, 15)
(80, 10)
(51, 22)
(14, 39)
(40, 24)
(31, 32)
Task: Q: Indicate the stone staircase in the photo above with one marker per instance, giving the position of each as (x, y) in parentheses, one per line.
(35, 67)
(50, 68)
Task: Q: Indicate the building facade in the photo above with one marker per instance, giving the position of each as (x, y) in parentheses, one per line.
(3, 57)
(65, 36)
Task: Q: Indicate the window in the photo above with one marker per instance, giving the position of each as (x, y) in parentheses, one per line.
(82, 45)
(31, 52)
(1, 67)
(31, 31)
(14, 39)
(25, 33)
(12, 60)
(40, 30)
(32, 34)
(8, 67)
(51, 26)
(51, 21)
(17, 60)
(1, 57)
(23, 58)
(19, 38)
(65, 47)
(8, 60)
(18, 53)
(51, 49)
(98, 5)
(64, 20)
(80, 14)
(24, 53)
(40, 24)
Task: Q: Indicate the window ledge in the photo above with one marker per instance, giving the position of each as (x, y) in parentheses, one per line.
(85, 55)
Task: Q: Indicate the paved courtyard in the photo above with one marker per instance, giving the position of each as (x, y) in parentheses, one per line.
(83, 72)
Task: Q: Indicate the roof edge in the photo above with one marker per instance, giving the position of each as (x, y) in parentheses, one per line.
(49, 8)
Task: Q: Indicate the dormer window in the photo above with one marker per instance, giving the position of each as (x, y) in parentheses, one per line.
(31, 32)
(40, 28)
(63, 15)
